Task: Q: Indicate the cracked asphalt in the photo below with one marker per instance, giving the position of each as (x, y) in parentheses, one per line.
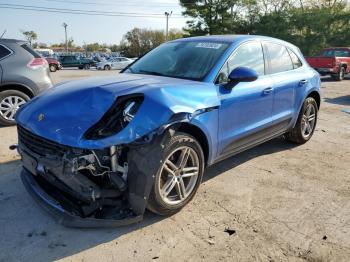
(276, 202)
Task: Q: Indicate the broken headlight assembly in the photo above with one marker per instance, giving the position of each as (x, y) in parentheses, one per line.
(120, 114)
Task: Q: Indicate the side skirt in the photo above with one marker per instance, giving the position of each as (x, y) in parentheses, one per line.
(248, 146)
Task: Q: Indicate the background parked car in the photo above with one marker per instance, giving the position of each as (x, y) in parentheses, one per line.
(54, 64)
(334, 61)
(23, 75)
(74, 61)
(114, 63)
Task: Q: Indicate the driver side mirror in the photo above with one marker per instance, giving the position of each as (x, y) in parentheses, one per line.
(241, 74)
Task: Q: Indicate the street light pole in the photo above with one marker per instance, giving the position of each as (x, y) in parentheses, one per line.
(65, 33)
(167, 15)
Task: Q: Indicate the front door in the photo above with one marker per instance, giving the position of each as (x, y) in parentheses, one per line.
(246, 109)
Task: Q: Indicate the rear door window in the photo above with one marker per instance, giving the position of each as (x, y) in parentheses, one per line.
(279, 58)
(4, 52)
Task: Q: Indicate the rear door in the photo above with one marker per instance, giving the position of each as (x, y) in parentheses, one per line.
(286, 79)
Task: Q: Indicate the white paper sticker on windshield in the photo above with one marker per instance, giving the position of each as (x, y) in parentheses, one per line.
(209, 45)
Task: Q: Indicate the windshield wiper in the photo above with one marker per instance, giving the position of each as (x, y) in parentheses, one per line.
(151, 72)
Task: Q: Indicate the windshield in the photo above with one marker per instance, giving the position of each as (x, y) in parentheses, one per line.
(335, 53)
(183, 59)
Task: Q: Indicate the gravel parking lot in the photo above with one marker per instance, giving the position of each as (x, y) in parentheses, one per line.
(276, 202)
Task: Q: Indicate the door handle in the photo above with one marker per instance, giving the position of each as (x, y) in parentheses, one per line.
(267, 91)
(303, 82)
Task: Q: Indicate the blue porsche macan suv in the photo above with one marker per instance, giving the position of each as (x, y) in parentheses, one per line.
(99, 151)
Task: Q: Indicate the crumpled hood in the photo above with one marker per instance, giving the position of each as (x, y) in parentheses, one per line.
(65, 112)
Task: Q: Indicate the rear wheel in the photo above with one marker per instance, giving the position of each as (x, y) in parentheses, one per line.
(87, 66)
(10, 102)
(306, 123)
(178, 176)
(53, 68)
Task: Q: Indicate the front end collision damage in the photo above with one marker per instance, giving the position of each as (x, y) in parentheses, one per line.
(101, 170)
(100, 188)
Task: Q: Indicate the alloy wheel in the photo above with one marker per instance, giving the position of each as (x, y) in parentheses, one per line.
(308, 120)
(178, 175)
(9, 106)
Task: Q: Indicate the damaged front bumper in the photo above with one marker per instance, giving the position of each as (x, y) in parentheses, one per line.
(63, 216)
(77, 187)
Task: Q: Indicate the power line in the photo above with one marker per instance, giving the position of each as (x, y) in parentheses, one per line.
(80, 11)
(129, 3)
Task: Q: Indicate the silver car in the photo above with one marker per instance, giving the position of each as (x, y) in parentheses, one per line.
(23, 75)
(114, 63)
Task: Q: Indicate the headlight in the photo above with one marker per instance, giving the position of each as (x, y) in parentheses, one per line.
(121, 113)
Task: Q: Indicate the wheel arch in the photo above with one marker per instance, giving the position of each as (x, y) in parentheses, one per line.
(315, 95)
(22, 88)
(198, 134)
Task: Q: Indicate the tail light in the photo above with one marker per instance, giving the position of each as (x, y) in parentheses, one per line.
(37, 63)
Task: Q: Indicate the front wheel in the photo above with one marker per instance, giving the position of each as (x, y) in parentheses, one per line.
(10, 102)
(107, 67)
(179, 175)
(306, 123)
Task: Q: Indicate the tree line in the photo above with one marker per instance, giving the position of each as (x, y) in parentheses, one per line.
(134, 43)
(309, 24)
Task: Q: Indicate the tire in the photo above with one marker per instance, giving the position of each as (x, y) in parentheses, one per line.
(107, 67)
(176, 146)
(87, 67)
(6, 97)
(300, 134)
(340, 75)
(53, 68)
(80, 67)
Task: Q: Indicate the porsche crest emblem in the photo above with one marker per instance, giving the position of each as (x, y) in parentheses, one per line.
(41, 117)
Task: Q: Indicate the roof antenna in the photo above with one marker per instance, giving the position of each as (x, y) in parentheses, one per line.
(3, 33)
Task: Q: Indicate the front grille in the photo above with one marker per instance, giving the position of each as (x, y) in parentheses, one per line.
(39, 145)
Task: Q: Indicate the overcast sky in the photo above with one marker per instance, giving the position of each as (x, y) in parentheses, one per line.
(86, 28)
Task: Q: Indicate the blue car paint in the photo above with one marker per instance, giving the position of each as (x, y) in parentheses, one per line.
(71, 108)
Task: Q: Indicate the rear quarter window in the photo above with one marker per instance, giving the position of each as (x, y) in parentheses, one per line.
(31, 51)
(4, 52)
(295, 59)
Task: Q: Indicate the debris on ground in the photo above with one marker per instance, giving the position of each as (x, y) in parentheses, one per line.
(230, 231)
(211, 242)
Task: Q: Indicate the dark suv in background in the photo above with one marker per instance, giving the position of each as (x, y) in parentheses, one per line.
(74, 61)
(23, 75)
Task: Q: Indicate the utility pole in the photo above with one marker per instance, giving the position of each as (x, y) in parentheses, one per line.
(65, 33)
(167, 15)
